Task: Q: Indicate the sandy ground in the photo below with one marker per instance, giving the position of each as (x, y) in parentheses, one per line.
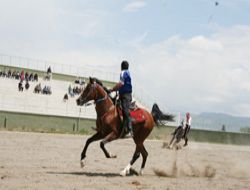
(51, 161)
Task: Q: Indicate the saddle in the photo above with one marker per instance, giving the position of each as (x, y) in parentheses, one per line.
(137, 114)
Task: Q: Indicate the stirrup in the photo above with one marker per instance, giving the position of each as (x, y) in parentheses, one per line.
(131, 133)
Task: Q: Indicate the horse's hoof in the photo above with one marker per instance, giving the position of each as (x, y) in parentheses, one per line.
(113, 156)
(123, 173)
(141, 172)
(82, 163)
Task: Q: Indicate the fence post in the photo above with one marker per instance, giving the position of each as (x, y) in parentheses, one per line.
(78, 121)
(5, 122)
(74, 126)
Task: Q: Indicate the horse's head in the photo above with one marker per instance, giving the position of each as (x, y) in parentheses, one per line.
(91, 92)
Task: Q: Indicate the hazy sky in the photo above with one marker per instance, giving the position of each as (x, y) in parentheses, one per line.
(188, 55)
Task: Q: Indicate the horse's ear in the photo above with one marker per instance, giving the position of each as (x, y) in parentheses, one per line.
(91, 80)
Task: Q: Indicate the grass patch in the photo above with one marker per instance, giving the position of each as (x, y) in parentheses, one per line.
(44, 123)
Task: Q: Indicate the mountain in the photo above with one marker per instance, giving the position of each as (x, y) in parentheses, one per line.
(215, 121)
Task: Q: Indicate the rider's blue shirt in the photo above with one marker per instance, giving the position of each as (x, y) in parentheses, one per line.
(125, 79)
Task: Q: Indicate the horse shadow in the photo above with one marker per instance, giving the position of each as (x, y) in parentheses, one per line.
(95, 174)
(89, 174)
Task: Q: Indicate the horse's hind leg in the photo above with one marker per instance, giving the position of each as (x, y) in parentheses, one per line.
(95, 137)
(144, 154)
(136, 155)
(140, 149)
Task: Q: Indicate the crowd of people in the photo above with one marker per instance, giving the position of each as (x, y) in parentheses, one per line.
(25, 77)
(76, 89)
(45, 90)
(19, 75)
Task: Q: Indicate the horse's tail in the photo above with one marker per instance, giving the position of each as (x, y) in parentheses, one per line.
(159, 116)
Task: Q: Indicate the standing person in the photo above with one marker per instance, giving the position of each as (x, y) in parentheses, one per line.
(49, 73)
(188, 121)
(49, 70)
(22, 75)
(124, 86)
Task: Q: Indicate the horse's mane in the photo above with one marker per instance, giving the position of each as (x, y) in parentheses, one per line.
(105, 88)
(101, 84)
(159, 116)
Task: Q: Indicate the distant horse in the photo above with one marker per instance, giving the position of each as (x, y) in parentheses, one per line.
(108, 124)
(177, 135)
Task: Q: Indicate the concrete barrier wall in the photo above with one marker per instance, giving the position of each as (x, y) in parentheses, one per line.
(198, 135)
(46, 123)
(220, 137)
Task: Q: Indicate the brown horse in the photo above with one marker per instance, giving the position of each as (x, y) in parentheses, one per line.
(108, 124)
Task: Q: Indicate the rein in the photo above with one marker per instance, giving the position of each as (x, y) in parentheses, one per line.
(101, 99)
(96, 101)
(93, 88)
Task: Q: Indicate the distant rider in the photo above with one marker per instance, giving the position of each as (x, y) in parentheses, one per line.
(186, 125)
(188, 121)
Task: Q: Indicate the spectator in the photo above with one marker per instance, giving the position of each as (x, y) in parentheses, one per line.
(49, 90)
(9, 73)
(20, 86)
(26, 76)
(31, 77)
(22, 75)
(38, 88)
(49, 74)
(70, 91)
(46, 90)
(77, 81)
(65, 97)
(35, 77)
(13, 75)
(17, 76)
(4, 74)
(27, 85)
(49, 70)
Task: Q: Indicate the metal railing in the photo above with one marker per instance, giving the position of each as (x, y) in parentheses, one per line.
(42, 65)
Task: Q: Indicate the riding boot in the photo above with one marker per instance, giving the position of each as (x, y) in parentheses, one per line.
(130, 128)
(124, 129)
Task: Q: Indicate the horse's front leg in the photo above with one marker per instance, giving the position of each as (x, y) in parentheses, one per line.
(110, 137)
(95, 137)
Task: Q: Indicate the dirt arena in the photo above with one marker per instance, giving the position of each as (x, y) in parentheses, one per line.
(51, 161)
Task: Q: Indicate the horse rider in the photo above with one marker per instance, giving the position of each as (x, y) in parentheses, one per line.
(187, 127)
(124, 86)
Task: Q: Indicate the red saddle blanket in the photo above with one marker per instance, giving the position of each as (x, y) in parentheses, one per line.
(137, 116)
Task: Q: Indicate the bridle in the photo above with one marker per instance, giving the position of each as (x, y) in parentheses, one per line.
(96, 100)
